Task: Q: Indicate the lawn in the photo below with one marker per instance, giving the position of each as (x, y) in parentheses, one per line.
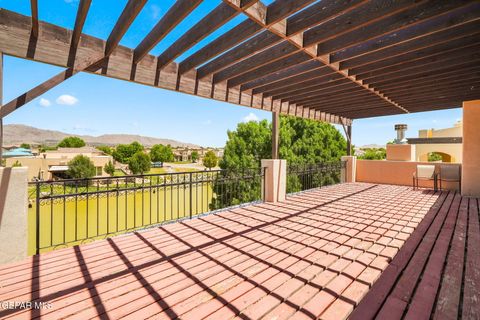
(85, 219)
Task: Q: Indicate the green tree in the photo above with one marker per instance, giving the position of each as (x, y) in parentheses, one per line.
(433, 156)
(161, 153)
(71, 142)
(16, 164)
(109, 168)
(25, 146)
(303, 142)
(194, 156)
(81, 167)
(210, 160)
(373, 154)
(139, 163)
(45, 148)
(123, 152)
(105, 149)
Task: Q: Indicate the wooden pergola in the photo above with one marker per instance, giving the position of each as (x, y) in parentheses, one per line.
(329, 60)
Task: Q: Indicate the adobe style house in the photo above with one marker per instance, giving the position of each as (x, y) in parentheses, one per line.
(53, 164)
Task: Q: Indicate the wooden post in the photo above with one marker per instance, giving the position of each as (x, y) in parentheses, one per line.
(275, 134)
(1, 103)
(349, 140)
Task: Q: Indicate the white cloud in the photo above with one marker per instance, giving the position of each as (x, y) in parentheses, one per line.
(250, 117)
(67, 99)
(45, 102)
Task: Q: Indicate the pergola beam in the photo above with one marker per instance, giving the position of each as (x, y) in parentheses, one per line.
(175, 15)
(82, 12)
(34, 11)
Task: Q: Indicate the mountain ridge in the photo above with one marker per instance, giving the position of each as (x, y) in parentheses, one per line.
(15, 134)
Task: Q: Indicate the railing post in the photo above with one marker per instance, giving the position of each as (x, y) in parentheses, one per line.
(191, 198)
(37, 217)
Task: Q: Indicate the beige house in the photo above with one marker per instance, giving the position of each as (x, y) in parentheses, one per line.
(445, 142)
(53, 164)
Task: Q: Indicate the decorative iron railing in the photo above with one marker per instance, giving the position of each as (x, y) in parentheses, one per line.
(71, 212)
(308, 176)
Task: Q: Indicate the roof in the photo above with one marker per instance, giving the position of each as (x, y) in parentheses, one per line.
(58, 168)
(324, 60)
(17, 153)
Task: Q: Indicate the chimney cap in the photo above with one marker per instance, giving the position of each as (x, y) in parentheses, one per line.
(401, 127)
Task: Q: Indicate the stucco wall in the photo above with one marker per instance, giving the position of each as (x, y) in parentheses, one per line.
(471, 148)
(452, 149)
(393, 172)
(13, 214)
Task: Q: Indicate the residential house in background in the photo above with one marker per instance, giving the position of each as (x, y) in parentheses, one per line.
(53, 164)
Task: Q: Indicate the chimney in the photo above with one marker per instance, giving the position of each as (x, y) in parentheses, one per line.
(401, 128)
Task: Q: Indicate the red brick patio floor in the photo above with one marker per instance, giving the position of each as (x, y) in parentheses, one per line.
(314, 256)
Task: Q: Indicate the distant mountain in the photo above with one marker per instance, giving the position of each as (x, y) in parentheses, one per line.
(372, 146)
(15, 134)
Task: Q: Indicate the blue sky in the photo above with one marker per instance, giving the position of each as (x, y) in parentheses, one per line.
(95, 105)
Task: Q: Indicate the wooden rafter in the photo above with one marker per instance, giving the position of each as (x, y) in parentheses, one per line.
(170, 20)
(34, 11)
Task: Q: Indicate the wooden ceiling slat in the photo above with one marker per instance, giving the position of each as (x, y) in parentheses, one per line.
(329, 80)
(453, 55)
(421, 43)
(426, 10)
(433, 86)
(293, 82)
(330, 87)
(269, 68)
(430, 67)
(456, 88)
(179, 11)
(129, 13)
(445, 21)
(82, 12)
(424, 53)
(34, 11)
(282, 75)
(215, 19)
(447, 69)
(366, 14)
(281, 50)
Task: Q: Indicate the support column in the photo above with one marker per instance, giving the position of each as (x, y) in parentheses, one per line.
(1, 103)
(471, 149)
(275, 180)
(349, 140)
(275, 134)
(349, 173)
(13, 214)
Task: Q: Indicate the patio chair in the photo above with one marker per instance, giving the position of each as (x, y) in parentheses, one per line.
(450, 173)
(425, 173)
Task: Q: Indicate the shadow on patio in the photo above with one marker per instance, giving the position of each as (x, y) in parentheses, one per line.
(315, 255)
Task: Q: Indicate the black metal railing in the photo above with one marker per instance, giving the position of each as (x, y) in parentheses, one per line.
(308, 176)
(70, 212)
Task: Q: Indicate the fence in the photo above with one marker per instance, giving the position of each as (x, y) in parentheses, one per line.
(309, 176)
(70, 212)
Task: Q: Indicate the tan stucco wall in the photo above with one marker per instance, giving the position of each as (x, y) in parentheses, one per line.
(13, 214)
(455, 150)
(471, 148)
(441, 133)
(38, 164)
(400, 152)
(394, 172)
(275, 180)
